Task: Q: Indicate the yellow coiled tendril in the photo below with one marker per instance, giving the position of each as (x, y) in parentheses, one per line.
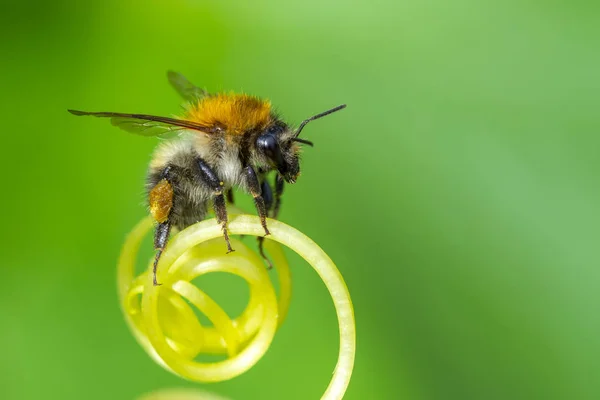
(166, 326)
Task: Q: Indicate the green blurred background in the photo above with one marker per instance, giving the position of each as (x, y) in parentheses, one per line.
(457, 193)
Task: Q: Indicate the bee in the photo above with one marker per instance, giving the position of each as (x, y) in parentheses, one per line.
(224, 141)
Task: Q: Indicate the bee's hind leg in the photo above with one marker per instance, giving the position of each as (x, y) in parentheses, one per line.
(161, 199)
(161, 236)
(208, 176)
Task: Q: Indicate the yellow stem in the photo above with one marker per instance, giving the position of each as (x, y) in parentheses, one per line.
(167, 328)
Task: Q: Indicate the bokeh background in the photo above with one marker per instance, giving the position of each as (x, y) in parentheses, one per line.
(458, 193)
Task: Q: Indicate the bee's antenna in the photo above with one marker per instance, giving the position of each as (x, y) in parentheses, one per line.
(304, 141)
(306, 121)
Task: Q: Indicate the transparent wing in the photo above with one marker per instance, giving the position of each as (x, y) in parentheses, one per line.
(185, 88)
(146, 125)
(144, 128)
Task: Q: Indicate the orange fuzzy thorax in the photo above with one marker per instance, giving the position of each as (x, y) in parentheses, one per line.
(235, 113)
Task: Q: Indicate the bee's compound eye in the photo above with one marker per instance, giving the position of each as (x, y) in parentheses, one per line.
(268, 144)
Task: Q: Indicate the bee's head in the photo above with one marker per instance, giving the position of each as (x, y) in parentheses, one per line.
(278, 145)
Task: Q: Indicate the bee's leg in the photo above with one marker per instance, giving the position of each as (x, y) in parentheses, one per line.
(161, 200)
(278, 192)
(255, 190)
(267, 194)
(161, 236)
(221, 213)
(230, 198)
(209, 177)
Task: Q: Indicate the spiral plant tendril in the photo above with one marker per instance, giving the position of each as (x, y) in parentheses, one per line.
(164, 323)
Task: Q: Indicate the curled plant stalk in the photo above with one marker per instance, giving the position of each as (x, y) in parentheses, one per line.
(166, 326)
(181, 394)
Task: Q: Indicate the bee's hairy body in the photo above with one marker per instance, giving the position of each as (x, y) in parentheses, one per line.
(226, 141)
(192, 197)
(192, 193)
(236, 122)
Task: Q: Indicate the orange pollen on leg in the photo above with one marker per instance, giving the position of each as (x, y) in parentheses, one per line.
(161, 200)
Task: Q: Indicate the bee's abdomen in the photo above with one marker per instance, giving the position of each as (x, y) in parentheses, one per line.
(175, 163)
(189, 196)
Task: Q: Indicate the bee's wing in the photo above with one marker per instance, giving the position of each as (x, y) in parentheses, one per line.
(146, 125)
(143, 127)
(185, 88)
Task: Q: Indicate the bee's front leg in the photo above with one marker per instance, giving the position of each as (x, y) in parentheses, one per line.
(278, 192)
(256, 191)
(267, 194)
(230, 198)
(208, 176)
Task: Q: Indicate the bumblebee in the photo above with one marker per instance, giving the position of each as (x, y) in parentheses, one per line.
(224, 141)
